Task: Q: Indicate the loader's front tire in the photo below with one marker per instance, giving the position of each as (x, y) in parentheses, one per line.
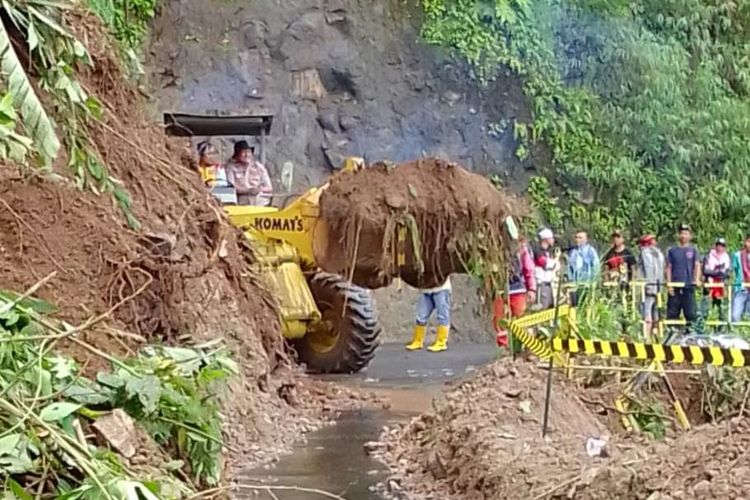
(347, 337)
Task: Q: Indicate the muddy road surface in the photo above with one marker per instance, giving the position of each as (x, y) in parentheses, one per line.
(334, 459)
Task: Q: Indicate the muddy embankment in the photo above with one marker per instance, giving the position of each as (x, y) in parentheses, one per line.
(182, 278)
(482, 440)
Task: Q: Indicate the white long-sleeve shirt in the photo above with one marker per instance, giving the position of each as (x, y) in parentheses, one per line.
(444, 286)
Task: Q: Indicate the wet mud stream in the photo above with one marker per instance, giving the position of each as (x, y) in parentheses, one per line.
(334, 459)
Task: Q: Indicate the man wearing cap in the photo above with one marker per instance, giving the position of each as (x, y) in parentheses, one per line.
(683, 266)
(741, 287)
(619, 261)
(716, 268)
(249, 178)
(545, 268)
(651, 270)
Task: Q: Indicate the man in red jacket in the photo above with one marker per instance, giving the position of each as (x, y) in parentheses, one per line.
(522, 290)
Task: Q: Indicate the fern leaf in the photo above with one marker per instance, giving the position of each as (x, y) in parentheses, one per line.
(35, 119)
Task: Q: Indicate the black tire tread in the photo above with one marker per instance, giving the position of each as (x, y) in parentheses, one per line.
(360, 342)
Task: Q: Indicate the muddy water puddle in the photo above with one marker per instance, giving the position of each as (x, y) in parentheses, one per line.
(334, 459)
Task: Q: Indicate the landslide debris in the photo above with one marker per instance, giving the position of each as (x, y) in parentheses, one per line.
(184, 278)
(483, 441)
(454, 223)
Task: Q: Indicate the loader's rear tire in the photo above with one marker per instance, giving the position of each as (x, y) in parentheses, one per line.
(347, 337)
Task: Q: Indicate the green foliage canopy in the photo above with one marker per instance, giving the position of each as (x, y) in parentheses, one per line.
(644, 103)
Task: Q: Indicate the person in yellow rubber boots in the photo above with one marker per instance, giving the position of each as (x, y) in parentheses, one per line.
(438, 300)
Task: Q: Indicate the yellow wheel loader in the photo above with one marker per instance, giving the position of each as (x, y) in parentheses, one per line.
(332, 324)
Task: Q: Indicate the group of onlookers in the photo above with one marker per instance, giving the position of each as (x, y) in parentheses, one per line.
(242, 171)
(681, 271)
(533, 274)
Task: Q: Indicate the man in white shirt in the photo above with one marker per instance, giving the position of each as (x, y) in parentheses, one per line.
(438, 300)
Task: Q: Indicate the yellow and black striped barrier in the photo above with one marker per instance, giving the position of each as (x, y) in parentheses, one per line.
(546, 316)
(538, 347)
(694, 355)
(678, 354)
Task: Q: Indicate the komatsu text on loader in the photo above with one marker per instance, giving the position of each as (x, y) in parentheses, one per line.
(332, 324)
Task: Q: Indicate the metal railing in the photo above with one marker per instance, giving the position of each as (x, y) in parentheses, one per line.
(633, 295)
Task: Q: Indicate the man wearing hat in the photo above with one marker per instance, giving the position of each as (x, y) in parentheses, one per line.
(683, 266)
(651, 270)
(249, 178)
(716, 268)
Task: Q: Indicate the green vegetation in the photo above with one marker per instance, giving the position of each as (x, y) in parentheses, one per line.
(171, 392)
(47, 406)
(643, 103)
(36, 44)
(128, 21)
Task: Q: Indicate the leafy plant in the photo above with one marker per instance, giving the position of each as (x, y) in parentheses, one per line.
(651, 420)
(171, 391)
(724, 392)
(40, 428)
(540, 194)
(13, 146)
(128, 21)
(45, 403)
(51, 57)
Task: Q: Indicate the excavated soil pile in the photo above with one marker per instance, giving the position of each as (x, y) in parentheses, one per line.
(454, 222)
(483, 441)
(709, 462)
(184, 277)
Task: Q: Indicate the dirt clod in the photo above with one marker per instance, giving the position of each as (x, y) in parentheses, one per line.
(443, 208)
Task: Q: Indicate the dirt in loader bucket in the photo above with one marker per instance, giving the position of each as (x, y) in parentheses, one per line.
(440, 217)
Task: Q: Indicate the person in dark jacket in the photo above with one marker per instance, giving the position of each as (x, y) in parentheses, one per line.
(619, 261)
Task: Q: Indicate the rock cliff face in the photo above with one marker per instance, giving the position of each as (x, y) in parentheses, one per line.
(342, 77)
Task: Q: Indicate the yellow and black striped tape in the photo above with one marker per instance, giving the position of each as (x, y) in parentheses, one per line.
(546, 316)
(694, 355)
(537, 347)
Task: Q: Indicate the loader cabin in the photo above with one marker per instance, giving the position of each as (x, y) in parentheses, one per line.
(236, 126)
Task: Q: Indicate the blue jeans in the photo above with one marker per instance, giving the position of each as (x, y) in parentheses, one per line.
(740, 305)
(439, 302)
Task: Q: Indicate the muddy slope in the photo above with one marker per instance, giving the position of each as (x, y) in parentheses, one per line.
(183, 278)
